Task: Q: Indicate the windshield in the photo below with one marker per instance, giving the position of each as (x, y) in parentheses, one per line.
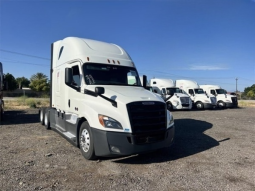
(199, 91)
(172, 91)
(220, 91)
(104, 74)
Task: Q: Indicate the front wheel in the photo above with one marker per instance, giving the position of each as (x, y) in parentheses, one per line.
(199, 105)
(221, 104)
(86, 142)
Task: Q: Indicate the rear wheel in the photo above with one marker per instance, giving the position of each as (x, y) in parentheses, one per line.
(42, 111)
(46, 119)
(1, 114)
(199, 105)
(86, 141)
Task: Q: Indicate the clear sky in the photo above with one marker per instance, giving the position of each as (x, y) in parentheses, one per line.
(209, 41)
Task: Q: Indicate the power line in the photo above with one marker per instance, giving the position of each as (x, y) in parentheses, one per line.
(187, 76)
(195, 78)
(24, 54)
(27, 63)
(247, 79)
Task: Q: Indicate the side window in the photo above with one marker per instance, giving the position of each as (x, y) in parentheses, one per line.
(191, 91)
(76, 76)
(132, 78)
(213, 92)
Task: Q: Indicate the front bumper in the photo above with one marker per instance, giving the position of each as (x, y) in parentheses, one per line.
(229, 105)
(128, 144)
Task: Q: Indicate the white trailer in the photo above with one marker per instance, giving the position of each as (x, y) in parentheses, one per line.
(174, 98)
(1, 92)
(224, 100)
(199, 98)
(95, 107)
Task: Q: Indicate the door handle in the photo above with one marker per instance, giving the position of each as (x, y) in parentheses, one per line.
(69, 103)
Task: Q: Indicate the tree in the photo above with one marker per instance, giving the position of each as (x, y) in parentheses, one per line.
(251, 94)
(38, 76)
(22, 81)
(39, 82)
(248, 91)
(10, 82)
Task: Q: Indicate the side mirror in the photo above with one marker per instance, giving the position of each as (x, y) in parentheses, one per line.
(68, 76)
(99, 90)
(144, 81)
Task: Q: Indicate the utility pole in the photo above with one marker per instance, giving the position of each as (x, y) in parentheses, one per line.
(236, 85)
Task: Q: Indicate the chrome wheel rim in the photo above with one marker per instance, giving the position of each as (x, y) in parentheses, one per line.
(45, 119)
(41, 116)
(85, 140)
(199, 105)
(221, 104)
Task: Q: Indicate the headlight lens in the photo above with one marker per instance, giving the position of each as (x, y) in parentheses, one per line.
(170, 119)
(109, 122)
(176, 102)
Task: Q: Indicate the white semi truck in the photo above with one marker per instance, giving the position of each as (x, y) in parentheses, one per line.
(200, 99)
(95, 107)
(174, 98)
(223, 100)
(1, 92)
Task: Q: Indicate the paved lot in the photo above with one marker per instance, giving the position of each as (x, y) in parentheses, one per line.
(213, 150)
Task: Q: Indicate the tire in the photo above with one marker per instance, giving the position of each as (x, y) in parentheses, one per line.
(42, 111)
(169, 106)
(86, 141)
(199, 105)
(46, 119)
(1, 114)
(221, 104)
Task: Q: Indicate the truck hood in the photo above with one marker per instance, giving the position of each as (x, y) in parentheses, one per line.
(179, 95)
(126, 94)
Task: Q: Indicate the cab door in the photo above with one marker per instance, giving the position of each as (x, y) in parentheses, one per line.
(74, 94)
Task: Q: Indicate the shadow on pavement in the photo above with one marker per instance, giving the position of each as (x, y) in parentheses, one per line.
(189, 140)
(20, 117)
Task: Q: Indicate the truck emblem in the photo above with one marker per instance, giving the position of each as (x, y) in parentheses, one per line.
(148, 103)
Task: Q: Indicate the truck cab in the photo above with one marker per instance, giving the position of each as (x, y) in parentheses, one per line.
(173, 96)
(224, 100)
(98, 103)
(199, 98)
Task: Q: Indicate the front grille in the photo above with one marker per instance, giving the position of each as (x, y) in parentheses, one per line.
(185, 101)
(213, 100)
(234, 100)
(147, 117)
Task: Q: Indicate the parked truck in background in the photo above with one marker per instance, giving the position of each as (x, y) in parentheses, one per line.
(1, 92)
(224, 100)
(199, 98)
(174, 98)
(95, 107)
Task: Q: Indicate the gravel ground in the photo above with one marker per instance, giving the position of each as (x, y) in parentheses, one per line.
(213, 150)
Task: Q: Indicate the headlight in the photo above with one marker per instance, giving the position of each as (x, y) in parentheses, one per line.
(170, 119)
(176, 102)
(108, 122)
